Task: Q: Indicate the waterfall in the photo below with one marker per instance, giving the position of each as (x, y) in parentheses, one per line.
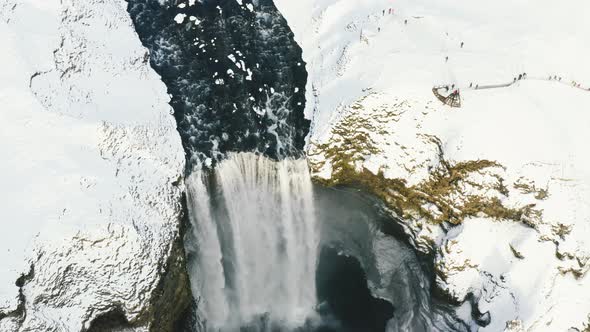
(254, 242)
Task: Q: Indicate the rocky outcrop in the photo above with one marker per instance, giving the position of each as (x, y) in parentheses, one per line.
(93, 159)
(172, 297)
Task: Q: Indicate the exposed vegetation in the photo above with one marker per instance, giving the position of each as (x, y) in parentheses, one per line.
(561, 230)
(577, 273)
(450, 194)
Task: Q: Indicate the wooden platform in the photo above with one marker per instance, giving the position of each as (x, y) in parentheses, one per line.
(453, 99)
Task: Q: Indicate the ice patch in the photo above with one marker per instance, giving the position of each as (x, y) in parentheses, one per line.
(179, 18)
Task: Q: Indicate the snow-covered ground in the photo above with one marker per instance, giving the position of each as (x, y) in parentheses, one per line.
(375, 68)
(89, 156)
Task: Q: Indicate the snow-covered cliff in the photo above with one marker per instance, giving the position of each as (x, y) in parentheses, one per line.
(90, 167)
(509, 168)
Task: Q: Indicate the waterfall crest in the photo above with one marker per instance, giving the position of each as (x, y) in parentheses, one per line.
(253, 242)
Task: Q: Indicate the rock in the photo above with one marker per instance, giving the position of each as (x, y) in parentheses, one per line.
(471, 183)
(90, 156)
(483, 319)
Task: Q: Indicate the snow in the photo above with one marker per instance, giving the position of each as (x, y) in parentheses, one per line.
(537, 128)
(90, 152)
(544, 301)
(179, 18)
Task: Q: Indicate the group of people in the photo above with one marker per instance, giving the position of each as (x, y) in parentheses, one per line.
(573, 83)
(523, 76)
(448, 88)
(578, 85)
(391, 11)
(519, 77)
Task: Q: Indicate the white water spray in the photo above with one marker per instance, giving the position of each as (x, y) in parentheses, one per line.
(255, 242)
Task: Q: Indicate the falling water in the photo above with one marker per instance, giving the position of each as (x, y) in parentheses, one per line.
(255, 242)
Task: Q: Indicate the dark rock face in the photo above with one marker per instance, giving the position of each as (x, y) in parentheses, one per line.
(113, 320)
(173, 295)
(484, 319)
(234, 73)
(169, 301)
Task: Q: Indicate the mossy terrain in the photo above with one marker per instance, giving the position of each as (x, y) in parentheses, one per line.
(445, 268)
(561, 230)
(450, 194)
(528, 187)
(170, 298)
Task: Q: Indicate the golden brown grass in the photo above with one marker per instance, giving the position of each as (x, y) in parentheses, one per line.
(440, 198)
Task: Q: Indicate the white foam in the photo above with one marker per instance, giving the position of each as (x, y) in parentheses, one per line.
(262, 224)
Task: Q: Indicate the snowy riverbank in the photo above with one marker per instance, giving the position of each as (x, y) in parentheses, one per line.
(90, 157)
